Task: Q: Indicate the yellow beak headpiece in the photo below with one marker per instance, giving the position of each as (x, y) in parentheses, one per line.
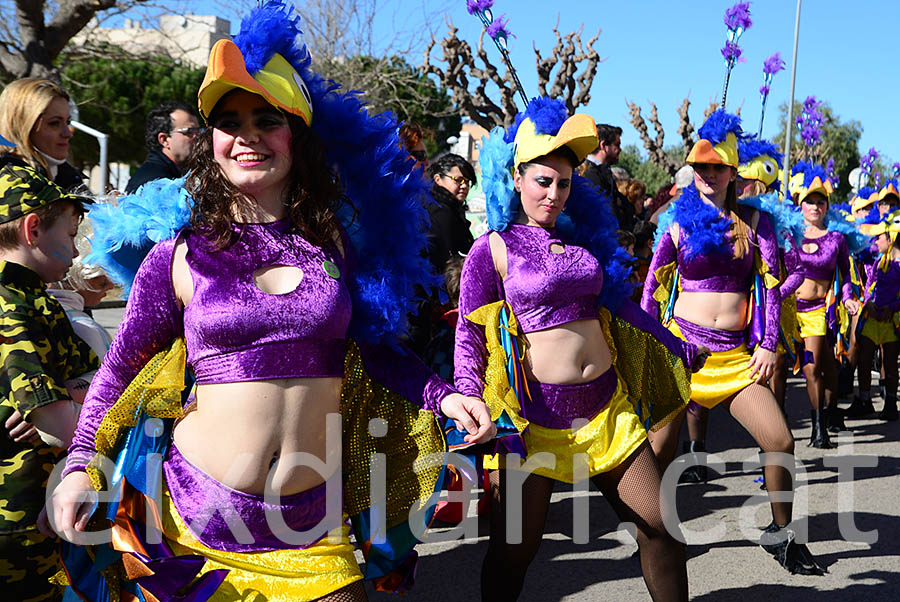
(861, 202)
(723, 153)
(890, 224)
(578, 132)
(817, 185)
(763, 168)
(889, 189)
(278, 82)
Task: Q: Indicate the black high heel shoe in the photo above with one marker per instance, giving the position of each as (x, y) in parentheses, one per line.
(794, 557)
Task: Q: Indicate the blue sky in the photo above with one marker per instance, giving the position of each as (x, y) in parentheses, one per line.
(662, 51)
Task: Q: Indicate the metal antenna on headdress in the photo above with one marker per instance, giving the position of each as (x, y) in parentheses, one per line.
(771, 66)
(499, 33)
(737, 20)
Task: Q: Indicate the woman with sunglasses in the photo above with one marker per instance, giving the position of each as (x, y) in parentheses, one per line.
(819, 274)
(714, 260)
(287, 320)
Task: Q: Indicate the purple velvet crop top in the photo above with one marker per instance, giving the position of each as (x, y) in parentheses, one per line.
(236, 333)
(885, 293)
(721, 273)
(544, 289)
(831, 252)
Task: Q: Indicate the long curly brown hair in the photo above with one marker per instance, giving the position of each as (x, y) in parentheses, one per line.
(312, 197)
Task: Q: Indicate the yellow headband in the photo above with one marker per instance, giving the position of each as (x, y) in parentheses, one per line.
(723, 153)
(278, 82)
(578, 132)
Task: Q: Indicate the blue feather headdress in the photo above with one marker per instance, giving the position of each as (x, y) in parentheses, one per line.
(799, 167)
(387, 192)
(752, 148)
(587, 219)
(812, 172)
(718, 125)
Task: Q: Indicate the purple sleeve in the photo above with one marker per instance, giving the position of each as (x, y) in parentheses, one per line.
(665, 254)
(153, 319)
(794, 270)
(843, 266)
(479, 285)
(630, 312)
(403, 372)
(768, 251)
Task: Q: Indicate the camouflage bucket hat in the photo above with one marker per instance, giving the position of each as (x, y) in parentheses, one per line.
(23, 189)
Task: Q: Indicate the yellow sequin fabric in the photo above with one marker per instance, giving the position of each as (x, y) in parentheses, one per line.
(411, 434)
(724, 374)
(156, 390)
(606, 441)
(278, 576)
(498, 395)
(790, 326)
(812, 323)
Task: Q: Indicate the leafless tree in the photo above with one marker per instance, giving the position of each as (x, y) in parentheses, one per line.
(464, 68)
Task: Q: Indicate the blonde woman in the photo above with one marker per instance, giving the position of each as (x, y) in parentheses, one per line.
(34, 116)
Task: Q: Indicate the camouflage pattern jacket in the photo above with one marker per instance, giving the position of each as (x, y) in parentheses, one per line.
(39, 353)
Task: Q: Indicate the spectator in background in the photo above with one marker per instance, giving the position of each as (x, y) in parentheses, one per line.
(34, 116)
(169, 134)
(413, 137)
(599, 173)
(633, 191)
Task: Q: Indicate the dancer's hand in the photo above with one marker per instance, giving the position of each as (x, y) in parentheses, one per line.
(762, 365)
(471, 415)
(19, 430)
(852, 306)
(70, 507)
(703, 354)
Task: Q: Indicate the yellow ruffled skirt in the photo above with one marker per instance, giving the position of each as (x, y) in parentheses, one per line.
(724, 373)
(607, 440)
(813, 323)
(880, 331)
(296, 575)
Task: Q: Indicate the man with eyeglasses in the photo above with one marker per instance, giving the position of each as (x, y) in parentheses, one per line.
(170, 133)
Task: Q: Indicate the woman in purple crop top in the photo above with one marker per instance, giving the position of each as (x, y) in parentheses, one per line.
(813, 269)
(702, 284)
(260, 289)
(534, 284)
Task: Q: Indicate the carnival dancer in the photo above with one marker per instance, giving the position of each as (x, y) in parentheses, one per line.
(543, 306)
(819, 273)
(880, 316)
(889, 197)
(704, 285)
(266, 289)
(757, 185)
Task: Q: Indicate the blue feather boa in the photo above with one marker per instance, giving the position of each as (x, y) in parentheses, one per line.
(378, 177)
(706, 229)
(787, 219)
(587, 219)
(835, 222)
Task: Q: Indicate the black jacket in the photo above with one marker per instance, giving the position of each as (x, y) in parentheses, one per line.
(449, 235)
(67, 177)
(156, 167)
(602, 178)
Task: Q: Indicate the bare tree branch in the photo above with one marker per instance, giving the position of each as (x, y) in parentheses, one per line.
(566, 56)
(685, 127)
(654, 146)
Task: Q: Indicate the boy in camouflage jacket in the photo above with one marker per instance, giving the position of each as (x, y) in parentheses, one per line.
(44, 375)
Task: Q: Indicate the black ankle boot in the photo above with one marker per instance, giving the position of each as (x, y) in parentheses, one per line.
(819, 437)
(793, 556)
(889, 411)
(693, 474)
(860, 408)
(835, 418)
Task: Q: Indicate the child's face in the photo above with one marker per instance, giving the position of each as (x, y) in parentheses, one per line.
(54, 248)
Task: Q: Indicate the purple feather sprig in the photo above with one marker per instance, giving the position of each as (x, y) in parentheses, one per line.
(868, 161)
(832, 176)
(497, 30)
(732, 53)
(738, 16)
(771, 66)
(476, 6)
(896, 170)
(809, 121)
(877, 179)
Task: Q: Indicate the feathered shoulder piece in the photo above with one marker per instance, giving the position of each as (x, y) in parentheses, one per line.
(787, 219)
(705, 228)
(718, 125)
(124, 232)
(835, 222)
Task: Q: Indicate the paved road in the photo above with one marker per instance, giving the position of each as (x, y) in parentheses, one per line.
(732, 569)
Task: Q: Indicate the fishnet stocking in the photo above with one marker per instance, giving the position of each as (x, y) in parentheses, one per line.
(632, 490)
(778, 382)
(757, 411)
(355, 592)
